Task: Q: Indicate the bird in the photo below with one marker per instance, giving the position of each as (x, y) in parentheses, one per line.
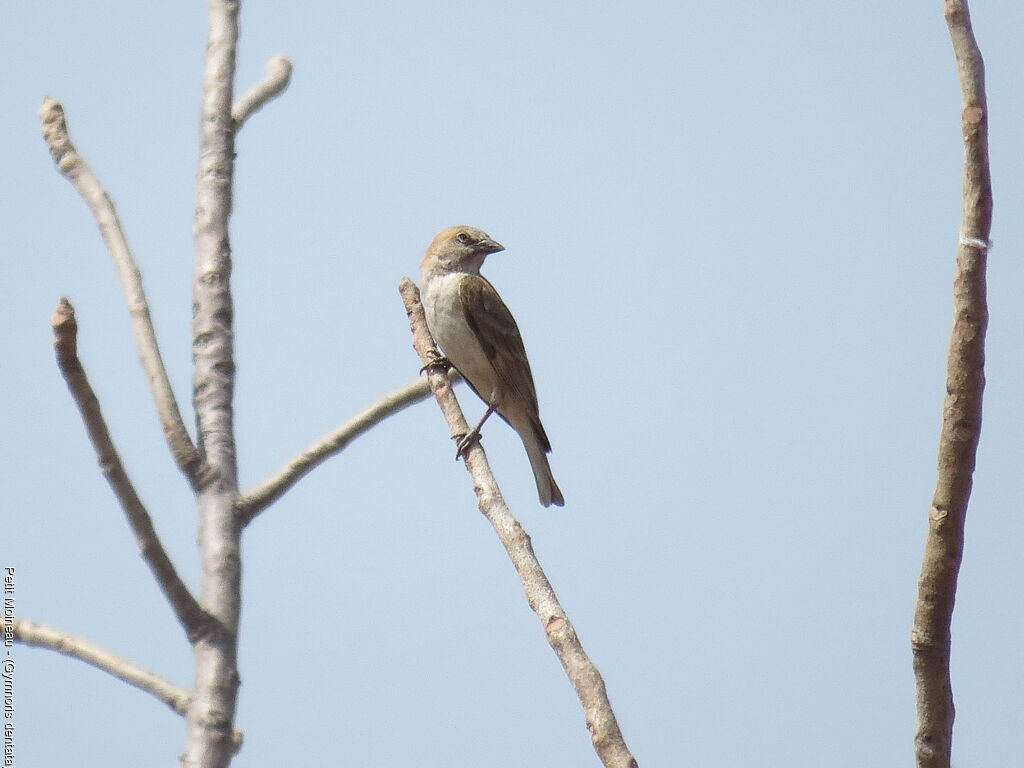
(480, 338)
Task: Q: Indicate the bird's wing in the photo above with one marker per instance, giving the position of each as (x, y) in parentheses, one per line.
(498, 334)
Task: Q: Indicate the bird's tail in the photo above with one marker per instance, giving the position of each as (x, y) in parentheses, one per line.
(547, 488)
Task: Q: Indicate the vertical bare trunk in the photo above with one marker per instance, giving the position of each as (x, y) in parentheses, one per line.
(211, 714)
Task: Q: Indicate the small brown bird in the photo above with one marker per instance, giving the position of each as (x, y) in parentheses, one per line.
(479, 336)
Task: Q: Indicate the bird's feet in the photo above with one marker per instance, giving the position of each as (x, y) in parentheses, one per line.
(438, 362)
(465, 443)
(467, 440)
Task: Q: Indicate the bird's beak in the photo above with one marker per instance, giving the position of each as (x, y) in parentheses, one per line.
(489, 246)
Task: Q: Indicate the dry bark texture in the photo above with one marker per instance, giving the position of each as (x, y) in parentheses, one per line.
(961, 417)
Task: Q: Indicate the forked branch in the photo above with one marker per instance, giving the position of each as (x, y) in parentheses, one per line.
(279, 74)
(38, 635)
(265, 494)
(78, 172)
(65, 342)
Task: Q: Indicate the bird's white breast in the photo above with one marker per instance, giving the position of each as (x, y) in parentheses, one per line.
(446, 319)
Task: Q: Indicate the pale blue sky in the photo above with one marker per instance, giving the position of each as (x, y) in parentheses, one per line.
(730, 234)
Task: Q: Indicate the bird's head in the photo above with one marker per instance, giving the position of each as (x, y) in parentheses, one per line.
(461, 249)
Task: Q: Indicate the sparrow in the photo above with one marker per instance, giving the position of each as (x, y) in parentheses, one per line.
(480, 338)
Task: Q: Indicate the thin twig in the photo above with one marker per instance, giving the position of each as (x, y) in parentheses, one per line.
(601, 722)
(65, 342)
(265, 494)
(276, 79)
(961, 418)
(78, 172)
(40, 636)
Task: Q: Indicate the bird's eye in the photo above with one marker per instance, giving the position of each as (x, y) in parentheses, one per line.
(462, 238)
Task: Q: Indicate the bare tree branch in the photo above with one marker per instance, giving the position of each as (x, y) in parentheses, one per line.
(65, 342)
(265, 494)
(279, 74)
(211, 714)
(78, 172)
(601, 722)
(40, 636)
(961, 417)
